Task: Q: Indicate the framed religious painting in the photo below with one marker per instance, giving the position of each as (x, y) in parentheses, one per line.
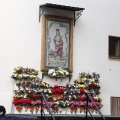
(57, 42)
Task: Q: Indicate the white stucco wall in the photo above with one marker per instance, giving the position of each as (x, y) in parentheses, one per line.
(20, 43)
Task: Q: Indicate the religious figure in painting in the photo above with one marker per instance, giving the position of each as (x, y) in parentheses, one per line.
(58, 44)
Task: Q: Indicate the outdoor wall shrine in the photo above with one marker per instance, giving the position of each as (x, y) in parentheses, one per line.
(70, 98)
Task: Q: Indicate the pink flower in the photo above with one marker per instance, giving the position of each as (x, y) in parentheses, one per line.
(33, 102)
(90, 104)
(51, 104)
(38, 101)
(82, 103)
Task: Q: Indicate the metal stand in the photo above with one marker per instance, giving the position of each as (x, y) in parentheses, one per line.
(41, 107)
(43, 99)
(70, 76)
(86, 109)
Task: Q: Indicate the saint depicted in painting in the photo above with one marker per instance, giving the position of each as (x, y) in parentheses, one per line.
(58, 44)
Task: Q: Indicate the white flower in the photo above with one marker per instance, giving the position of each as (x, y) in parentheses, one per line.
(66, 72)
(58, 72)
(51, 71)
(54, 74)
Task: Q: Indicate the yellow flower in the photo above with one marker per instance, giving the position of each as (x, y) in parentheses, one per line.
(74, 96)
(18, 68)
(15, 96)
(43, 84)
(96, 98)
(25, 96)
(15, 75)
(69, 96)
(81, 86)
(81, 80)
(75, 79)
(49, 91)
(57, 102)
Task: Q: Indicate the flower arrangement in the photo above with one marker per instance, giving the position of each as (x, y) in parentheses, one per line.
(57, 72)
(20, 73)
(59, 98)
(28, 70)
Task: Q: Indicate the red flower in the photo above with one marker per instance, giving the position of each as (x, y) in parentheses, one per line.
(15, 102)
(58, 90)
(82, 97)
(82, 91)
(23, 101)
